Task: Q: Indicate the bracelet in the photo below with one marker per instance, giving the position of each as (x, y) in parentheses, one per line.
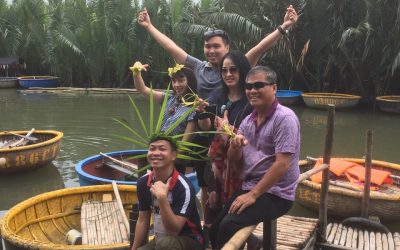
(282, 30)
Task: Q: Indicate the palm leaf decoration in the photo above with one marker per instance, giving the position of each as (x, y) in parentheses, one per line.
(186, 150)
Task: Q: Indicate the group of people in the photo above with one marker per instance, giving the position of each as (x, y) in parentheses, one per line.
(253, 171)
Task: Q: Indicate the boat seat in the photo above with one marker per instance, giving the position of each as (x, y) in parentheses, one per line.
(102, 223)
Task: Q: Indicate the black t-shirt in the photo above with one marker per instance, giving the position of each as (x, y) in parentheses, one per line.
(181, 197)
(237, 110)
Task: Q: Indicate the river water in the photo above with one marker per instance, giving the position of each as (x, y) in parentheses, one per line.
(88, 127)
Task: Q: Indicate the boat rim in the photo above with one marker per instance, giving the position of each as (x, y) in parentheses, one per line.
(8, 234)
(331, 95)
(353, 193)
(80, 164)
(58, 136)
(389, 98)
(37, 78)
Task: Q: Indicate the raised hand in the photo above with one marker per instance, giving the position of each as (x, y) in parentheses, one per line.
(144, 18)
(290, 18)
(137, 67)
(160, 189)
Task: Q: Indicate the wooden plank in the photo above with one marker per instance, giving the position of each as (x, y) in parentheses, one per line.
(331, 236)
(385, 244)
(118, 168)
(343, 236)
(396, 237)
(354, 238)
(338, 234)
(366, 240)
(372, 241)
(83, 224)
(390, 241)
(360, 239)
(378, 241)
(349, 237)
(121, 207)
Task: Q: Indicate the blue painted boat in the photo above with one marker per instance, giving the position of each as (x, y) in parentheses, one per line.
(92, 172)
(38, 81)
(288, 97)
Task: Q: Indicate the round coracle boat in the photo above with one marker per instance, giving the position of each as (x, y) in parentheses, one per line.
(288, 97)
(344, 198)
(38, 81)
(45, 220)
(97, 169)
(322, 100)
(32, 155)
(8, 82)
(389, 103)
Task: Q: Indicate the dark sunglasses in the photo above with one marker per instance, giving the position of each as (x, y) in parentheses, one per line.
(211, 33)
(257, 85)
(232, 70)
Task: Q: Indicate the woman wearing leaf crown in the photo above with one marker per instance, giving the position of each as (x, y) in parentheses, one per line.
(184, 86)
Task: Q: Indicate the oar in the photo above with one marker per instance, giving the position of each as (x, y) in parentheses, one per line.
(30, 138)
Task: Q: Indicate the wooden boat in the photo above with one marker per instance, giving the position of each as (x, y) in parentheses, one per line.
(38, 81)
(8, 82)
(321, 100)
(288, 97)
(43, 221)
(389, 103)
(93, 171)
(345, 202)
(30, 156)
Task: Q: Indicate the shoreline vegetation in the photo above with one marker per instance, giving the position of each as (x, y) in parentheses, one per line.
(339, 47)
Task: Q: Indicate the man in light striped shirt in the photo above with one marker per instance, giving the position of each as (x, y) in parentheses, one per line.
(170, 197)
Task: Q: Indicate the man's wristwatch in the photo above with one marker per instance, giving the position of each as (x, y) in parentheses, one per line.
(282, 30)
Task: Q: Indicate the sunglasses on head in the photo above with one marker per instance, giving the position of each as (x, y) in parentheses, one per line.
(257, 85)
(210, 33)
(232, 70)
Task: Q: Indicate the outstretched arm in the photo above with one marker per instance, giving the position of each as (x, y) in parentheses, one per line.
(139, 83)
(254, 54)
(170, 46)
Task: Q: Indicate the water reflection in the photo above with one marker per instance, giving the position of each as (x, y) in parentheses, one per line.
(18, 187)
(86, 121)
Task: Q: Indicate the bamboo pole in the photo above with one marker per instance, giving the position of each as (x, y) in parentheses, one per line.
(378, 241)
(361, 239)
(120, 206)
(83, 223)
(307, 174)
(323, 218)
(372, 241)
(349, 237)
(354, 239)
(367, 181)
(22, 141)
(338, 234)
(366, 240)
(238, 238)
(331, 236)
(385, 243)
(390, 241)
(129, 165)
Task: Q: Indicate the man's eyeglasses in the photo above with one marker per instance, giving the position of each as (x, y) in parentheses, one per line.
(232, 70)
(257, 85)
(211, 33)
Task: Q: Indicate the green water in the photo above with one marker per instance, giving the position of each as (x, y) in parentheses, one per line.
(86, 121)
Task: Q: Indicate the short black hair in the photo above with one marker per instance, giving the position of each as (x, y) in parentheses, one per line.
(162, 136)
(217, 32)
(191, 79)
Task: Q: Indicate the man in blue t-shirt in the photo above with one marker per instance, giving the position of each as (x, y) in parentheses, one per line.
(171, 198)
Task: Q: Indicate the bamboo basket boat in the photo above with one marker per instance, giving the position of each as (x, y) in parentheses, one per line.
(42, 222)
(8, 82)
(31, 156)
(322, 100)
(38, 81)
(389, 103)
(288, 97)
(344, 202)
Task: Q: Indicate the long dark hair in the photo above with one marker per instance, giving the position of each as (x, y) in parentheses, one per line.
(242, 64)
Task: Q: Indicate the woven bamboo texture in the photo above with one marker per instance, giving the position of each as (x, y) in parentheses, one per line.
(322, 100)
(354, 238)
(343, 202)
(31, 156)
(43, 221)
(389, 103)
(292, 232)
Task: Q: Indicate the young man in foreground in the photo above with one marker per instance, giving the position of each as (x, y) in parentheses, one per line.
(171, 198)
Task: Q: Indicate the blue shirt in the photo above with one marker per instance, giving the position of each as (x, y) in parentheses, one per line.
(174, 110)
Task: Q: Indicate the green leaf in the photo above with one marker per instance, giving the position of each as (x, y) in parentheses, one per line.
(162, 111)
(130, 129)
(179, 120)
(139, 116)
